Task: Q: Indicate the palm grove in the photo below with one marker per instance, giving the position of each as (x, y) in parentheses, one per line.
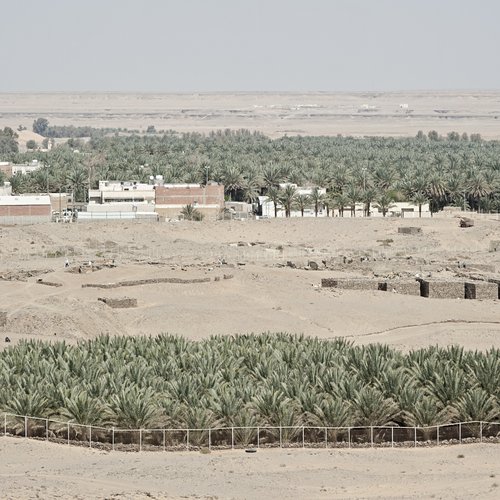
(453, 170)
(247, 381)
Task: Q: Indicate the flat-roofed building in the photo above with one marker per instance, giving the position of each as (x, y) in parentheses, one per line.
(171, 198)
(122, 192)
(25, 209)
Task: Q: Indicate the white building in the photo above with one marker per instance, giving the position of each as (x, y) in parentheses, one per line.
(27, 168)
(122, 192)
(268, 206)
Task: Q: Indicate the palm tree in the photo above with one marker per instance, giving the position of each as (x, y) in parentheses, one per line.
(189, 212)
(368, 196)
(287, 198)
(274, 195)
(233, 180)
(317, 199)
(340, 201)
(302, 201)
(419, 199)
(385, 202)
(353, 195)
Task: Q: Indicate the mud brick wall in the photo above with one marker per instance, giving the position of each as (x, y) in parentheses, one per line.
(442, 289)
(406, 287)
(122, 303)
(481, 290)
(353, 284)
(409, 230)
(151, 281)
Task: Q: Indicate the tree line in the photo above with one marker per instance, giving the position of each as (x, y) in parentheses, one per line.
(455, 169)
(247, 380)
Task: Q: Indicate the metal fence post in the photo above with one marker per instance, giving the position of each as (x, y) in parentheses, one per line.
(163, 439)
(392, 437)
(187, 439)
(349, 436)
(68, 433)
(90, 436)
(25, 427)
(326, 437)
(113, 438)
(460, 432)
(5, 424)
(232, 438)
(303, 437)
(371, 435)
(258, 437)
(140, 439)
(437, 434)
(415, 430)
(209, 439)
(47, 429)
(280, 438)
(481, 431)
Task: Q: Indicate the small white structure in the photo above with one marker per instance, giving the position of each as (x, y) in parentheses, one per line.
(268, 206)
(26, 169)
(6, 189)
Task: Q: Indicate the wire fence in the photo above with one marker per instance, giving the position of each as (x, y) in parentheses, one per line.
(219, 438)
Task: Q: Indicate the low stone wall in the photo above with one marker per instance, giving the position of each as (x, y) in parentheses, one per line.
(409, 230)
(405, 287)
(482, 290)
(121, 303)
(353, 284)
(425, 288)
(40, 281)
(442, 289)
(151, 281)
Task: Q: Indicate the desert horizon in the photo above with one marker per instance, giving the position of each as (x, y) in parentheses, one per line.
(273, 113)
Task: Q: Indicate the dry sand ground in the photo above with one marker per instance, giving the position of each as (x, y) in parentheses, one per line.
(275, 114)
(263, 294)
(56, 471)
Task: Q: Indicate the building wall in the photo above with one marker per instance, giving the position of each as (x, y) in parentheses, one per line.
(170, 200)
(25, 210)
(6, 168)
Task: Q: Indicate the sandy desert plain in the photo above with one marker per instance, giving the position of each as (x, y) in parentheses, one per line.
(250, 289)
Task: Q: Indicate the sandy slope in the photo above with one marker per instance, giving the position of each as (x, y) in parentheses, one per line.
(55, 471)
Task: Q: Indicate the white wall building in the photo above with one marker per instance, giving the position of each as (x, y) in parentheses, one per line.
(268, 206)
(122, 192)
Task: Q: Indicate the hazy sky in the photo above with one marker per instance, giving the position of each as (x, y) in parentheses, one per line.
(210, 45)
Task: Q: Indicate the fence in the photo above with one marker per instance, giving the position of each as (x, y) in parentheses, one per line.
(111, 438)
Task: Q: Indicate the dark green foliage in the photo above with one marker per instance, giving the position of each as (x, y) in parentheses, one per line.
(269, 379)
(8, 143)
(443, 171)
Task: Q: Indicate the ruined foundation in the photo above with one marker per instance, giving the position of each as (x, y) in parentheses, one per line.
(409, 230)
(123, 303)
(353, 284)
(442, 289)
(481, 290)
(406, 287)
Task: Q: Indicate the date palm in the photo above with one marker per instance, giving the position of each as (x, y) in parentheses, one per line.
(287, 198)
(302, 202)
